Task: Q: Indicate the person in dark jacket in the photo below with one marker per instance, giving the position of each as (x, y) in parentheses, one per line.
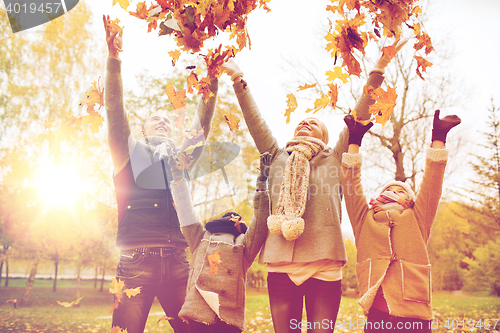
(152, 246)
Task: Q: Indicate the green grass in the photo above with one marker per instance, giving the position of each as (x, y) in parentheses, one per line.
(93, 315)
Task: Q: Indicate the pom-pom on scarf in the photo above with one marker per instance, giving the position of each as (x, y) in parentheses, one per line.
(291, 204)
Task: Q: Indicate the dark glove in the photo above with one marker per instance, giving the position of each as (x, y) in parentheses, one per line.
(440, 127)
(356, 130)
(265, 164)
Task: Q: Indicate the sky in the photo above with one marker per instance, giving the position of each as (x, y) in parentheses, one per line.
(294, 30)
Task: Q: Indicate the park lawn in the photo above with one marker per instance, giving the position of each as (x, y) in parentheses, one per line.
(93, 314)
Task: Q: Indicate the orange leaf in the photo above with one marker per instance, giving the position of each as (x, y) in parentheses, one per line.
(422, 64)
(232, 122)
(385, 103)
(291, 103)
(192, 82)
(141, 11)
(94, 96)
(424, 41)
(306, 86)
(175, 54)
(214, 261)
(176, 98)
(117, 329)
(389, 52)
(183, 161)
(194, 134)
(116, 289)
(333, 94)
(164, 318)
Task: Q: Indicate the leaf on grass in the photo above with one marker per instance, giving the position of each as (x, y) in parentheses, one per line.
(385, 103)
(133, 292)
(176, 97)
(69, 304)
(117, 329)
(291, 104)
(175, 54)
(337, 74)
(306, 86)
(422, 64)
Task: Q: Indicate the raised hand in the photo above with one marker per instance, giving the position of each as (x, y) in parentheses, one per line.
(113, 37)
(232, 69)
(440, 127)
(356, 129)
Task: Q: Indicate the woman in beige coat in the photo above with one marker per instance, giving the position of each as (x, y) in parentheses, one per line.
(391, 233)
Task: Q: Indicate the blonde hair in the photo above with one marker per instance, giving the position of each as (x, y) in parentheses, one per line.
(323, 127)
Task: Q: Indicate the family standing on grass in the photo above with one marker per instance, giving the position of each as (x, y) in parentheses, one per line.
(296, 230)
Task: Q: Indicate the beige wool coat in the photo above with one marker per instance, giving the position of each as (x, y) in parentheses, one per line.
(219, 293)
(392, 245)
(322, 236)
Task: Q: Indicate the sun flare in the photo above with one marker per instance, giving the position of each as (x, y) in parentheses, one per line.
(59, 185)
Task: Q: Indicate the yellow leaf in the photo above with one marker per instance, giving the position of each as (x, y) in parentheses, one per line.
(385, 103)
(306, 86)
(116, 286)
(337, 74)
(133, 292)
(291, 103)
(95, 122)
(123, 3)
(68, 304)
(117, 329)
(320, 103)
(175, 54)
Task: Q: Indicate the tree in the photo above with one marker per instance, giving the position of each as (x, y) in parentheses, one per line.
(349, 277)
(483, 206)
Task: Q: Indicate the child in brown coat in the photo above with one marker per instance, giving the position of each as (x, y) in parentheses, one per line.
(391, 233)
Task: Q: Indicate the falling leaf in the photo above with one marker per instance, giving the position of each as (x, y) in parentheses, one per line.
(306, 86)
(385, 103)
(141, 11)
(194, 134)
(192, 82)
(117, 290)
(68, 304)
(94, 96)
(320, 103)
(133, 292)
(123, 3)
(176, 97)
(233, 123)
(388, 52)
(337, 74)
(291, 104)
(333, 94)
(175, 54)
(95, 120)
(215, 261)
(164, 318)
(13, 301)
(422, 64)
(424, 41)
(183, 161)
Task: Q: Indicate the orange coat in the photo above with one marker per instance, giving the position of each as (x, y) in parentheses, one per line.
(392, 245)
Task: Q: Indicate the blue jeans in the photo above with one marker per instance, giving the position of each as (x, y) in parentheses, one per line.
(162, 277)
(286, 300)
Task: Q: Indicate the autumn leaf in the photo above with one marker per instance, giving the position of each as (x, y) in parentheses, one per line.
(141, 11)
(176, 97)
(94, 96)
(175, 54)
(13, 301)
(117, 290)
(384, 105)
(194, 134)
(133, 292)
(233, 123)
(424, 41)
(123, 3)
(422, 64)
(164, 318)
(70, 304)
(214, 261)
(320, 103)
(192, 82)
(291, 103)
(306, 86)
(95, 120)
(337, 74)
(183, 161)
(388, 52)
(333, 94)
(117, 329)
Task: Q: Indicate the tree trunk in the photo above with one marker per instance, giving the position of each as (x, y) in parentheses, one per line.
(95, 278)
(29, 283)
(54, 287)
(102, 279)
(78, 282)
(1, 271)
(6, 272)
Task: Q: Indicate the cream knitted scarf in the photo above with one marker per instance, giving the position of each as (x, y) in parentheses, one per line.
(161, 147)
(291, 204)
